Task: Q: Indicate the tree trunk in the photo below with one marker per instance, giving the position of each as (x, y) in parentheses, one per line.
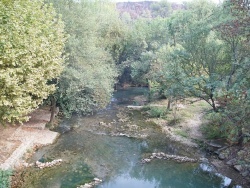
(213, 103)
(169, 103)
(240, 137)
(233, 66)
(175, 111)
(53, 110)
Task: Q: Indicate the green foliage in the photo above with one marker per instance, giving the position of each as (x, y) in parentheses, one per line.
(5, 180)
(156, 111)
(212, 129)
(236, 120)
(31, 45)
(231, 123)
(202, 52)
(86, 83)
(182, 133)
(168, 71)
(162, 9)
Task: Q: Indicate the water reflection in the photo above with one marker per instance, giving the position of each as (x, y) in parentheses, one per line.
(164, 174)
(115, 159)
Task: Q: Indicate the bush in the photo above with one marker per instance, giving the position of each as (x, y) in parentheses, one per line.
(156, 111)
(5, 178)
(213, 129)
(236, 120)
(231, 123)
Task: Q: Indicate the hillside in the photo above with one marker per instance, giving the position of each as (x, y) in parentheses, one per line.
(144, 8)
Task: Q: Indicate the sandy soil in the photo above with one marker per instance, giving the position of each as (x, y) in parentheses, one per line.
(16, 141)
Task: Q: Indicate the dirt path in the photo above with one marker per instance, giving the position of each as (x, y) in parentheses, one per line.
(194, 126)
(15, 141)
(186, 131)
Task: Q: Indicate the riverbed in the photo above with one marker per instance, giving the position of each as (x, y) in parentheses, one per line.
(100, 146)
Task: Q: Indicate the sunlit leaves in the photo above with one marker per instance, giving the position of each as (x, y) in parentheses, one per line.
(31, 46)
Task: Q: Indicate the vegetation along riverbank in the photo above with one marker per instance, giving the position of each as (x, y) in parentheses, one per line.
(68, 59)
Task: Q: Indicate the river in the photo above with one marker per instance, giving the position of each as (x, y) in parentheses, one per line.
(88, 150)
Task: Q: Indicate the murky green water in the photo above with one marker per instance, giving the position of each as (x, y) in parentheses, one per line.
(116, 160)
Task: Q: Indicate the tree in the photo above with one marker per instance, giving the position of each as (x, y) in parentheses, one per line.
(234, 30)
(87, 81)
(201, 54)
(31, 54)
(146, 38)
(162, 9)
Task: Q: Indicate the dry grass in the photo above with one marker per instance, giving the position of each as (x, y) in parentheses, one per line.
(183, 121)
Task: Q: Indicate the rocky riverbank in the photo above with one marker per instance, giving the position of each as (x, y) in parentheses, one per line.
(232, 162)
(96, 181)
(161, 155)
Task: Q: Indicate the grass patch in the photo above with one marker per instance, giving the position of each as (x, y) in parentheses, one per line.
(199, 106)
(156, 111)
(138, 118)
(181, 133)
(185, 113)
(5, 180)
(180, 112)
(172, 121)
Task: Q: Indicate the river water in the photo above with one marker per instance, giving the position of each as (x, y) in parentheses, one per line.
(88, 151)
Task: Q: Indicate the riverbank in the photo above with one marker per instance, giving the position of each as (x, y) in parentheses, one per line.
(232, 161)
(131, 123)
(182, 124)
(18, 141)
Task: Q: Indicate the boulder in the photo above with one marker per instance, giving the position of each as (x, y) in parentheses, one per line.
(245, 173)
(231, 162)
(238, 168)
(97, 180)
(222, 156)
(204, 160)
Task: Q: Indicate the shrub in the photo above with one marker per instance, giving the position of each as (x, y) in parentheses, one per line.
(156, 111)
(213, 129)
(5, 178)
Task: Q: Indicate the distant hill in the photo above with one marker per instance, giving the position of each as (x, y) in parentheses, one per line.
(142, 9)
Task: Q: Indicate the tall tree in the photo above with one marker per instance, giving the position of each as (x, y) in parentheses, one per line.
(88, 79)
(201, 55)
(234, 30)
(31, 46)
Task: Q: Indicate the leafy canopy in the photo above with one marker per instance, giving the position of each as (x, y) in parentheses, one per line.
(31, 45)
(87, 81)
